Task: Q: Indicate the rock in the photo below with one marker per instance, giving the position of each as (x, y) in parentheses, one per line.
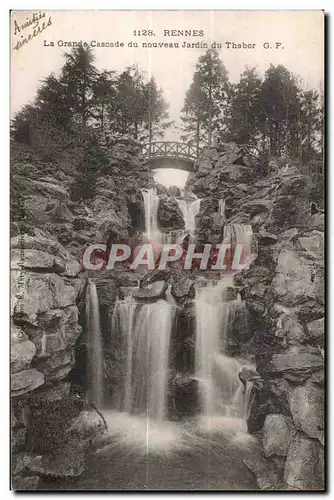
(317, 221)
(18, 440)
(40, 243)
(182, 288)
(41, 293)
(21, 353)
(248, 375)
(21, 461)
(210, 227)
(312, 245)
(318, 378)
(277, 435)
(301, 467)
(267, 477)
(36, 260)
(57, 365)
(152, 292)
(316, 331)
(55, 330)
(87, 425)
(174, 191)
(169, 215)
(183, 396)
(161, 189)
(297, 364)
(68, 462)
(294, 281)
(56, 191)
(256, 206)
(229, 293)
(72, 268)
(290, 330)
(25, 381)
(56, 392)
(61, 213)
(154, 275)
(265, 239)
(28, 483)
(307, 409)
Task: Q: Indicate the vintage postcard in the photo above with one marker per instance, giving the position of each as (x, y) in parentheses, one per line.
(167, 250)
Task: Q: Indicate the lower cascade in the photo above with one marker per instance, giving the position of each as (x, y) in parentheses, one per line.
(145, 330)
(221, 392)
(189, 212)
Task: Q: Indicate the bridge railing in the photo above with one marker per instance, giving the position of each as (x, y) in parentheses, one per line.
(170, 149)
(161, 149)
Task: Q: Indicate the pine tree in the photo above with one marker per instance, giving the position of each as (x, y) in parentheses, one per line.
(279, 104)
(245, 108)
(104, 99)
(156, 116)
(79, 77)
(205, 109)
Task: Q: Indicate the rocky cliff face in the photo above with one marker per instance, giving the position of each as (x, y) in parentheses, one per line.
(284, 295)
(50, 231)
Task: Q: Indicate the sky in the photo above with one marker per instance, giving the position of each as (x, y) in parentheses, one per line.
(300, 34)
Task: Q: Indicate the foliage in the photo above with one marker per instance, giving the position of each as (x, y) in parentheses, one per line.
(276, 114)
(205, 109)
(72, 112)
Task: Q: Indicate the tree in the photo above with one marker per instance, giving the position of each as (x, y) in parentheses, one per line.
(205, 109)
(104, 98)
(79, 77)
(245, 108)
(156, 115)
(279, 103)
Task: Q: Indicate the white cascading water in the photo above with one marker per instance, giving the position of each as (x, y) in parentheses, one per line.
(222, 393)
(151, 206)
(189, 212)
(94, 347)
(221, 207)
(241, 234)
(217, 373)
(145, 330)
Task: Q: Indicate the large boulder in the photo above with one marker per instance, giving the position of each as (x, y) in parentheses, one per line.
(303, 466)
(35, 259)
(316, 331)
(88, 425)
(297, 363)
(151, 293)
(277, 435)
(174, 191)
(38, 293)
(290, 331)
(25, 381)
(182, 288)
(169, 215)
(297, 279)
(22, 350)
(267, 475)
(54, 330)
(307, 408)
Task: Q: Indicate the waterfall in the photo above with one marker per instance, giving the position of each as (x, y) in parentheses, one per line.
(151, 205)
(145, 331)
(241, 234)
(189, 212)
(221, 207)
(219, 384)
(94, 347)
